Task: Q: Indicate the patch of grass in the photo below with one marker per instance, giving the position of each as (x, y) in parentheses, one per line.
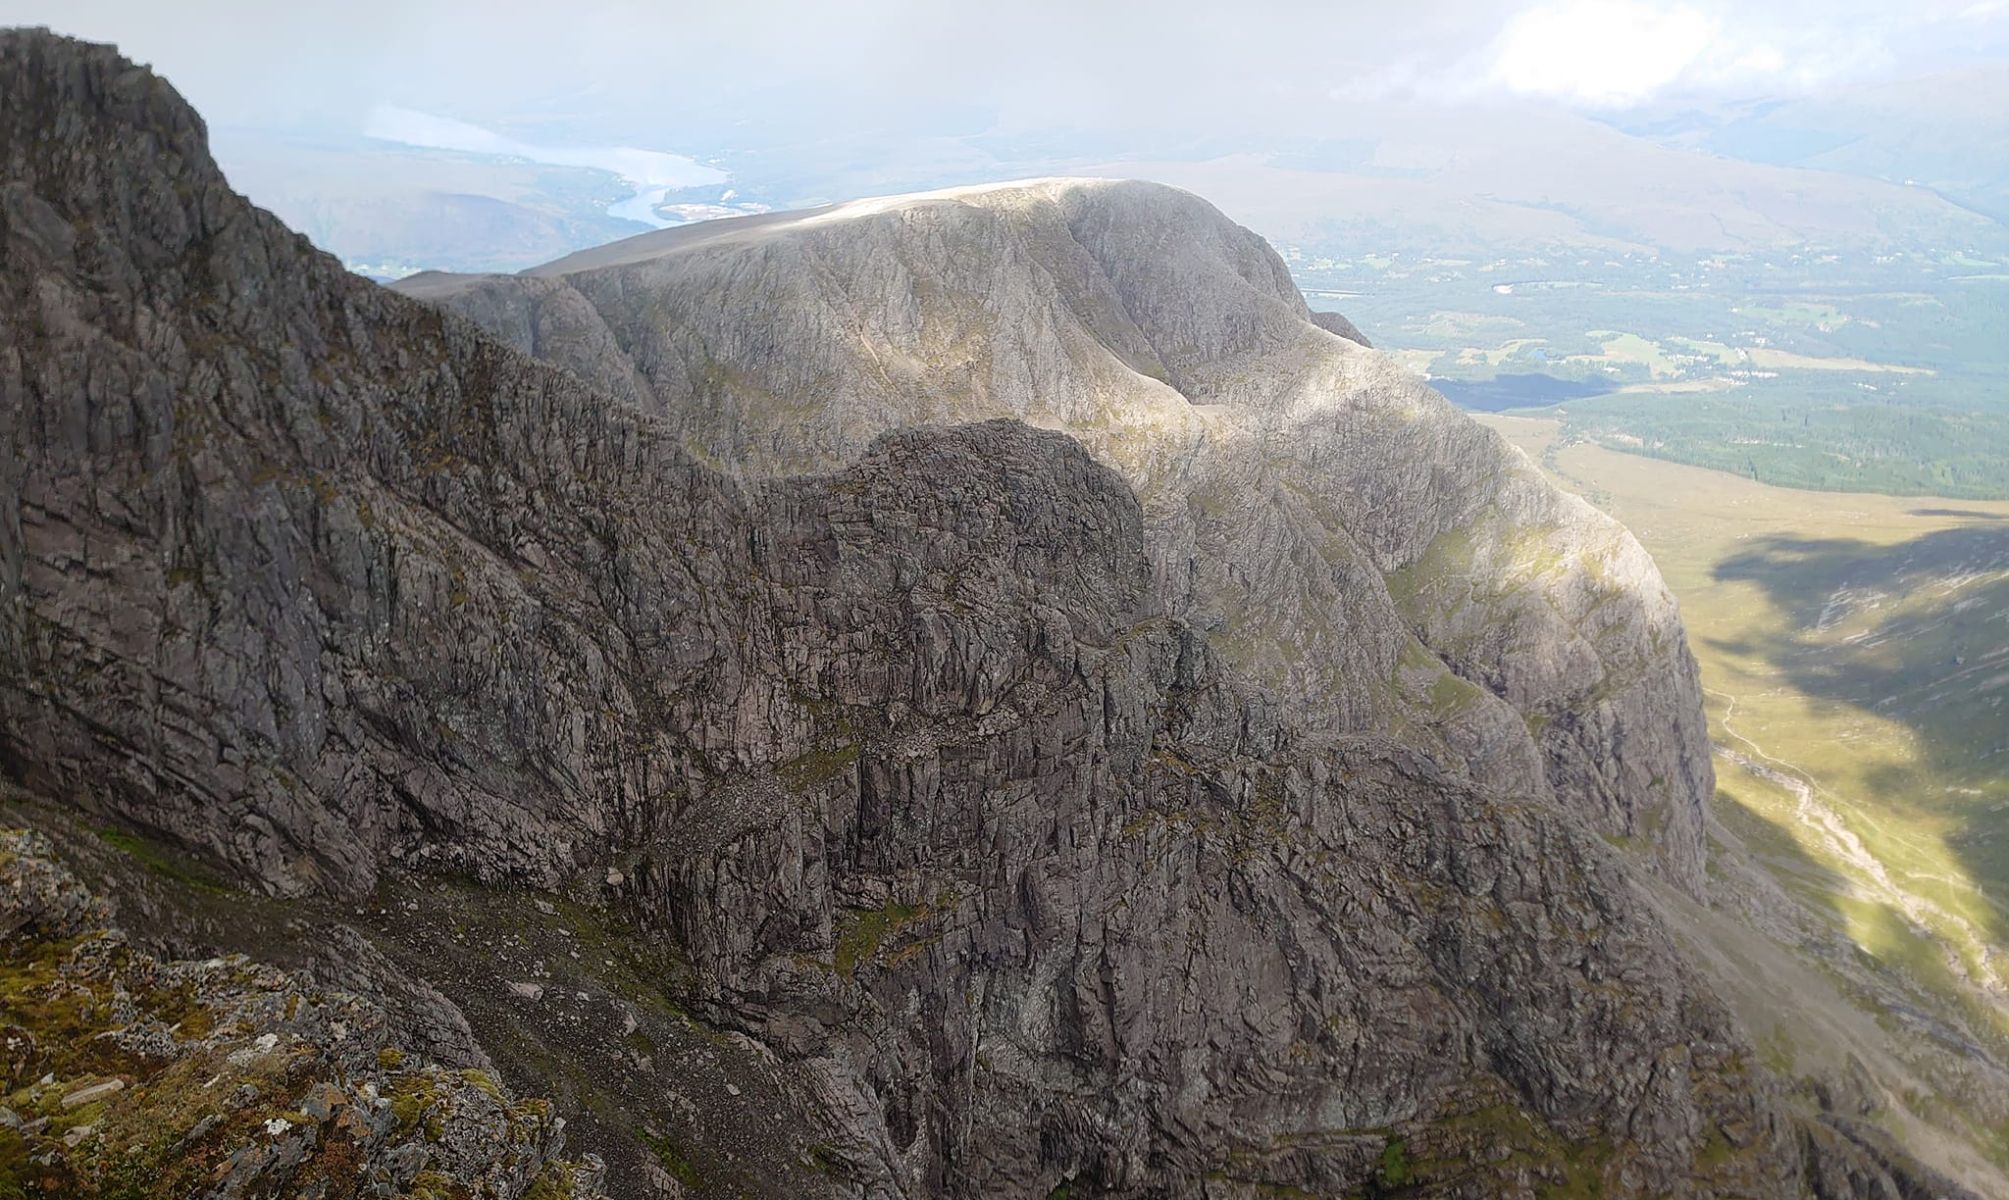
(412, 1097)
(1395, 1170)
(1448, 555)
(158, 859)
(1716, 1151)
(681, 1168)
(865, 930)
(1451, 694)
(554, 1182)
(807, 772)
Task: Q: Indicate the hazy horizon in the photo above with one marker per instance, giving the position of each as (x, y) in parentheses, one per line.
(813, 102)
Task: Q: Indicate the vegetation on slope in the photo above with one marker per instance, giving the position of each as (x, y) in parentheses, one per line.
(1855, 654)
(131, 1078)
(1812, 369)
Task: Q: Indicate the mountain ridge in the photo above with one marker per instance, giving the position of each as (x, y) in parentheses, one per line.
(1289, 510)
(333, 590)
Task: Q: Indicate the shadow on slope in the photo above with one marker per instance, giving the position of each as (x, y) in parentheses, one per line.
(1914, 632)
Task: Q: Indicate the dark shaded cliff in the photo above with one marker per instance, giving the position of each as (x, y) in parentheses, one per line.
(1335, 529)
(912, 770)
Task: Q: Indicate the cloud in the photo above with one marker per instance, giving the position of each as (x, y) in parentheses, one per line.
(1613, 54)
(1604, 53)
(808, 77)
(1610, 54)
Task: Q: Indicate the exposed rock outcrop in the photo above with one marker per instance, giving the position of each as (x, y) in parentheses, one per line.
(1312, 507)
(1333, 322)
(984, 794)
(224, 1078)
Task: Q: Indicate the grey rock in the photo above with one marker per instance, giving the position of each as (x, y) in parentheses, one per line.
(420, 1017)
(95, 1091)
(1333, 322)
(1342, 534)
(325, 1121)
(1068, 828)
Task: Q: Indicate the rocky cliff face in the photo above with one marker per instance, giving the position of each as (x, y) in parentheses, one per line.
(1339, 532)
(1056, 841)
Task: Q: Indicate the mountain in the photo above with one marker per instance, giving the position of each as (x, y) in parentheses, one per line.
(1944, 131)
(1482, 184)
(387, 209)
(817, 775)
(1292, 510)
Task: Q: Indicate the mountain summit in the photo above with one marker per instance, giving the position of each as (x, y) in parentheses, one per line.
(965, 696)
(1338, 531)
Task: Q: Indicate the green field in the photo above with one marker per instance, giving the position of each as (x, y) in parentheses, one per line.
(1811, 371)
(1855, 654)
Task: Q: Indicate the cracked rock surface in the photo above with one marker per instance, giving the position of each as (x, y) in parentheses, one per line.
(1057, 824)
(1337, 530)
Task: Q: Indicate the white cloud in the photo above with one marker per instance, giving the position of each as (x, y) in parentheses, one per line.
(1623, 53)
(1604, 53)
(1762, 60)
(821, 76)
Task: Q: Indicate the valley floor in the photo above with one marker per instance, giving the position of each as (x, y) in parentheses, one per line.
(1855, 653)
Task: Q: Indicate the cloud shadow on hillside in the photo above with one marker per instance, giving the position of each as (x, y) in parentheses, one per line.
(1919, 652)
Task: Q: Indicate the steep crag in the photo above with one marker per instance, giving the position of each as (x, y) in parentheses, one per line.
(1340, 533)
(1071, 814)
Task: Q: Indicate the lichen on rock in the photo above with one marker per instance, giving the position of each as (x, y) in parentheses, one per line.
(127, 1076)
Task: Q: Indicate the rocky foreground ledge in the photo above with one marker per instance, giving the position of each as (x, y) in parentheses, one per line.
(128, 1076)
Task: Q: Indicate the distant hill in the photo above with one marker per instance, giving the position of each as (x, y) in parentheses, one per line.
(1497, 181)
(1948, 133)
(1448, 180)
(388, 210)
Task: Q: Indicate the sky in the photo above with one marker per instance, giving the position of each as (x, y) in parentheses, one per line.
(1287, 113)
(669, 77)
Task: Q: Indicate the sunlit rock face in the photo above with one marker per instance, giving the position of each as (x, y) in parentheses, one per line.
(1340, 533)
(1082, 808)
